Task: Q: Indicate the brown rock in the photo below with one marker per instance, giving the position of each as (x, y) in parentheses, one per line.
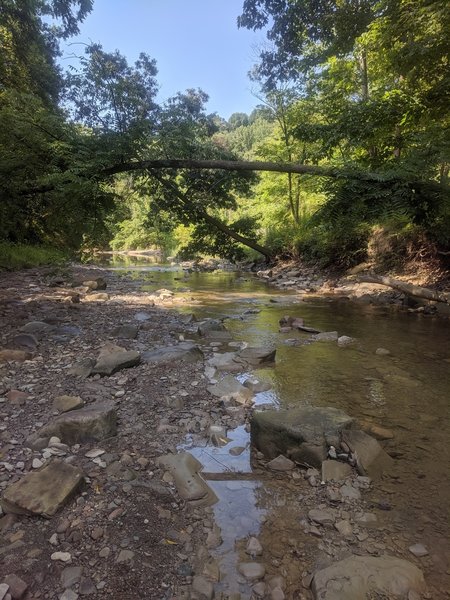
(43, 492)
(67, 403)
(14, 355)
(17, 397)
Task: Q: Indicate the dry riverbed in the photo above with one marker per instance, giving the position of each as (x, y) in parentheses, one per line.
(135, 526)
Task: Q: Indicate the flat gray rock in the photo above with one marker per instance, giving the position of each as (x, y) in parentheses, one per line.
(36, 327)
(127, 332)
(333, 470)
(109, 363)
(230, 386)
(371, 459)
(361, 577)
(43, 492)
(327, 336)
(95, 422)
(185, 351)
(299, 434)
(260, 355)
(209, 325)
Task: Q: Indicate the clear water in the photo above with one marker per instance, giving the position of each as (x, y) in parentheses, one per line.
(407, 391)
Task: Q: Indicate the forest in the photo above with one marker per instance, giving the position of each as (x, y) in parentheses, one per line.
(345, 157)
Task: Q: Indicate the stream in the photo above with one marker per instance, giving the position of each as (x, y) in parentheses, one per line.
(406, 391)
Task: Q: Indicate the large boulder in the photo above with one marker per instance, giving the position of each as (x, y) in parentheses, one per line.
(363, 577)
(185, 351)
(43, 492)
(95, 422)
(299, 433)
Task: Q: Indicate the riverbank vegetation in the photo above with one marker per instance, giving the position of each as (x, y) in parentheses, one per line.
(347, 89)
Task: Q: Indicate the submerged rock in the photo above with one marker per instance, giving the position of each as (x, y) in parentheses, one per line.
(299, 433)
(43, 492)
(185, 471)
(359, 577)
(257, 355)
(229, 386)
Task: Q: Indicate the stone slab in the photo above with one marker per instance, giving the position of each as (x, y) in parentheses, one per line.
(43, 492)
(185, 351)
(360, 577)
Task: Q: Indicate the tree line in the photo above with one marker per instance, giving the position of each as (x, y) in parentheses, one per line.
(349, 140)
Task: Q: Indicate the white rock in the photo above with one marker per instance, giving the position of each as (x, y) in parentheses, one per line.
(37, 464)
(4, 587)
(62, 556)
(254, 547)
(418, 550)
(94, 453)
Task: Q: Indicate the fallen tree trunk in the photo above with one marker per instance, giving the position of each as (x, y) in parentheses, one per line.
(407, 288)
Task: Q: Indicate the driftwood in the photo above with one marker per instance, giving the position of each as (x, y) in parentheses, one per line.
(407, 288)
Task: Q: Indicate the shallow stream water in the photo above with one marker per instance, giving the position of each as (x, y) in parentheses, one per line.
(407, 391)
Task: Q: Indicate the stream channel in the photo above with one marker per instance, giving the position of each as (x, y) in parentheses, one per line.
(407, 391)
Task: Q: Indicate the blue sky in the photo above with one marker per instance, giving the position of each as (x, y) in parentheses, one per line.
(196, 43)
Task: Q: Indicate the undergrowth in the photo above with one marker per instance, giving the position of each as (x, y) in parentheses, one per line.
(21, 256)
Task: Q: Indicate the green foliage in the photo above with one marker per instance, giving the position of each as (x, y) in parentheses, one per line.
(20, 256)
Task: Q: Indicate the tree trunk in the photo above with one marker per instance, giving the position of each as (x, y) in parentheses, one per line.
(407, 288)
(217, 223)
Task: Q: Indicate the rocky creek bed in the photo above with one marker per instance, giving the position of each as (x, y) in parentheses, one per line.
(126, 469)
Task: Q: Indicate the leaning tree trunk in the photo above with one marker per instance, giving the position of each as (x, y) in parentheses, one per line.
(217, 223)
(407, 288)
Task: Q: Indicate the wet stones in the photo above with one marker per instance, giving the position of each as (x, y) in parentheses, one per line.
(252, 571)
(362, 576)
(298, 433)
(184, 469)
(43, 492)
(229, 386)
(95, 422)
(255, 356)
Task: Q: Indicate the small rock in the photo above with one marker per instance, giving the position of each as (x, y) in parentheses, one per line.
(254, 547)
(382, 352)
(4, 587)
(62, 556)
(281, 463)
(17, 397)
(418, 550)
(66, 403)
(345, 340)
(69, 595)
(252, 570)
(17, 586)
(348, 492)
(322, 516)
(36, 464)
(203, 587)
(344, 528)
(70, 576)
(87, 587)
(125, 556)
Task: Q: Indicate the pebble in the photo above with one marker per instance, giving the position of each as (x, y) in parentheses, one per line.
(94, 453)
(70, 576)
(37, 464)
(87, 587)
(17, 586)
(418, 550)
(125, 556)
(69, 595)
(4, 587)
(62, 556)
(254, 547)
(252, 570)
(104, 552)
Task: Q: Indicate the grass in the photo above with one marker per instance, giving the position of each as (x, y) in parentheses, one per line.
(21, 256)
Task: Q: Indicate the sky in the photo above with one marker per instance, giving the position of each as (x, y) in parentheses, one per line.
(196, 44)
